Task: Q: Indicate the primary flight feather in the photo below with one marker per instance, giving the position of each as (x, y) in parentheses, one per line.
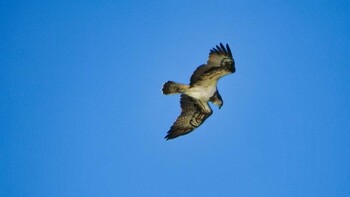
(202, 89)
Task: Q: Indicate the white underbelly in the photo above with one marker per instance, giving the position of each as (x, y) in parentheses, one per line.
(202, 93)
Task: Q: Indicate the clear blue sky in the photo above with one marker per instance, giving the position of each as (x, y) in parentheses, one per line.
(82, 113)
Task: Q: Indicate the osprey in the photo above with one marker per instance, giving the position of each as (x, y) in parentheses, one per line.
(194, 100)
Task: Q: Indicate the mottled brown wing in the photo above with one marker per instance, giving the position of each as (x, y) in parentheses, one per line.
(198, 73)
(193, 114)
(210, 76)
(220, 63)
(220, 55)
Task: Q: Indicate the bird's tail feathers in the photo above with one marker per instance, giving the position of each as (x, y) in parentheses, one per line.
(171, 87)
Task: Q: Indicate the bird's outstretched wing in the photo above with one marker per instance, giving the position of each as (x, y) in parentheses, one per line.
(193, 114)
(220, 55)
(219, 64)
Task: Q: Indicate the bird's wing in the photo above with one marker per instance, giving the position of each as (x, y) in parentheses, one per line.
(219, 56)
(220, 63)
(193, 114)
(198, 73)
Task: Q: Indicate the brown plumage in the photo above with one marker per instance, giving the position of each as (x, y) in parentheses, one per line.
(193, 114)
(202, 89)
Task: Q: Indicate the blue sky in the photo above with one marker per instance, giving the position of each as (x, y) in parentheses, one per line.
(83, 115)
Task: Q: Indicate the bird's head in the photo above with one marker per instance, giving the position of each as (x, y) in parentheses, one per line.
(217, 100)
(219, 103)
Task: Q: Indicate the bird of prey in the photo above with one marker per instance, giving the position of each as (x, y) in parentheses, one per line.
(202, 89)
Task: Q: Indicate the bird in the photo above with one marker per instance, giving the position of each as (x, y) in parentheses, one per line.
(202, 89)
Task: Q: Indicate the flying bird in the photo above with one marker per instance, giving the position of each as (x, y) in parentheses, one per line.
(202, 89)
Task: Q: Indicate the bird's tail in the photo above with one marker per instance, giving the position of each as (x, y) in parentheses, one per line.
(171, 87)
